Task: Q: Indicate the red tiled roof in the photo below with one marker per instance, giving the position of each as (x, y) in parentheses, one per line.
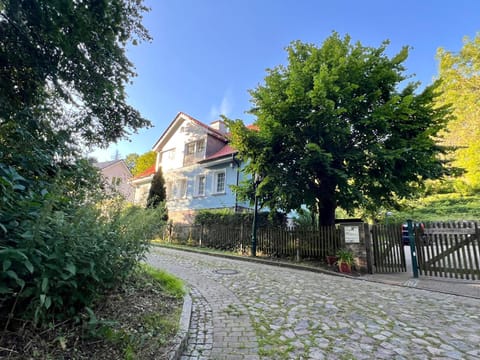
(224, 151)
(253, 127)
(148, 172)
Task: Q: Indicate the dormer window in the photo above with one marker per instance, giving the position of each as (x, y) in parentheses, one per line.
(194, 151)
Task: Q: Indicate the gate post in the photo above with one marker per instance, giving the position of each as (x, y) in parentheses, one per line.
(413, 249)
(368, 247)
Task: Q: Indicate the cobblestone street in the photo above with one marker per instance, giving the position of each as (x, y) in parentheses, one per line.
(245, 310)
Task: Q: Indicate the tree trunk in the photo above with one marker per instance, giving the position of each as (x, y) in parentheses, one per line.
(327, 203)
(326, 208)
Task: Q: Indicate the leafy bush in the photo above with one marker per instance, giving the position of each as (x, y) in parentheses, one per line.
(228, 217)
(58, 249)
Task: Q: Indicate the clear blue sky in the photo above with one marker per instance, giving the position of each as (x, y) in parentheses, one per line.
(206, 55)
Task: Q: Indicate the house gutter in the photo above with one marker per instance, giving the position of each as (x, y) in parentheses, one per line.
(236, 162)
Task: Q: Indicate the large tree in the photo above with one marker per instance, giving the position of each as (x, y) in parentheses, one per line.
(337, 129)
(460, 81)
(71, 55)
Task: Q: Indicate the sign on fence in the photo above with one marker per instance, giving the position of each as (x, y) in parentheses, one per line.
(352, 234)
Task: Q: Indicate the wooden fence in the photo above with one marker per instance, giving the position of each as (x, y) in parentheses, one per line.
(271, 241)
(449, 249)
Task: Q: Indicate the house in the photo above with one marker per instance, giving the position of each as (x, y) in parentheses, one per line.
(141, 183)
(117, 177)
(198, 166)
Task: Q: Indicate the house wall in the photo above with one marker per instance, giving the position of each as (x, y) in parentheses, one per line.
(141, 191)
(186, 131)
(117, 176)
(211, 199)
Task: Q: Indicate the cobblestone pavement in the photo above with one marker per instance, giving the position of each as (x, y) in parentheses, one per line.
(270, 312)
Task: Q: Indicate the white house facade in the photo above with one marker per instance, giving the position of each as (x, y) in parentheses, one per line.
(198, 166)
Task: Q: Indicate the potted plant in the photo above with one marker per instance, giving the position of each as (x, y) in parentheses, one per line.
(345, 261)
(331, 259)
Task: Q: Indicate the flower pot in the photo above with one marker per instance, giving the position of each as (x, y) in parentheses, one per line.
(331, 260)
(345, 268)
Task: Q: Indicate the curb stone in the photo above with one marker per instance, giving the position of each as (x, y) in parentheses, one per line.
(182, 334)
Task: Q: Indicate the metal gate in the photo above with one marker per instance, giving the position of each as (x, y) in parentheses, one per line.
(388, 253)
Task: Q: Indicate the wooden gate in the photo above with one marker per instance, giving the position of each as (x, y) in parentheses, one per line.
(449, 249)
(388, 253)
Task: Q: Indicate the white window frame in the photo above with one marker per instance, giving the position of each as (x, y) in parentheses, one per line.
(180, 188)
(197, 185)
(215, 182)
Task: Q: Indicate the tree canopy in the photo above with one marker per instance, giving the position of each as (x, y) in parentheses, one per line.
(139, 163)
(336, 129)
(460, 84)
(70, 55)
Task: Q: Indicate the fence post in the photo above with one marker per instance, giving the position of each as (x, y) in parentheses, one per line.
(201, 235)
(413, 249)
(368, 247)
(297, 249)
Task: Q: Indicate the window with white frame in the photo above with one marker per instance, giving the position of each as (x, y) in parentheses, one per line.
(180, 190)
(200, 182)
(169, 189)
(167, 155)
(219, 182)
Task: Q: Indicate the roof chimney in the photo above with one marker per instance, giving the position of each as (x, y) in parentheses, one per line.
(219, 125)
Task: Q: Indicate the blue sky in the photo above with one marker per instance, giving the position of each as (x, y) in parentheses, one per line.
(206, 54)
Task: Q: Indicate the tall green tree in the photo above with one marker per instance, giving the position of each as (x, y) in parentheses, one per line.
(65, 52)
(337, 129)
(157, 194)
(460, 84)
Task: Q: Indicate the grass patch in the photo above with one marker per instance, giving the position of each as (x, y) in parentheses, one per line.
(169, 283)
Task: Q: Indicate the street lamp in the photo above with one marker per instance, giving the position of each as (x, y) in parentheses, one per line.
(256, 181)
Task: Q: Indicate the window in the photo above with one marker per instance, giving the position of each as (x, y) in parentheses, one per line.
(169, 189)
(200, 183)
(181, 188)
(200, 145)
(219, 182)
(167, 155)
(190, 148)
(194, 151)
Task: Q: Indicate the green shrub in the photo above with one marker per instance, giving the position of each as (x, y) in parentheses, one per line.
(230, 218)
(59, 250)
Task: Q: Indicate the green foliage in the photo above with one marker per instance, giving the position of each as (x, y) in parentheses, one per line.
(68, 52)
(460, 83)
(157, 194)
(345, 256)
(62, 85)
(143, 162)
(57, 255)
(440, 207)
(230, 218)
(336, 130)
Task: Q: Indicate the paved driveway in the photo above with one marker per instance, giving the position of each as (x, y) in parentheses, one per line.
(245, 310)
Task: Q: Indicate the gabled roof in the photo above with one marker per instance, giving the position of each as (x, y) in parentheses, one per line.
(148, 172)
(104, 164)
(180, 116)
(227, 150)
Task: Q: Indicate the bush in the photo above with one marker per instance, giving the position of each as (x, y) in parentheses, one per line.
(59, 250)
(229, 218)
